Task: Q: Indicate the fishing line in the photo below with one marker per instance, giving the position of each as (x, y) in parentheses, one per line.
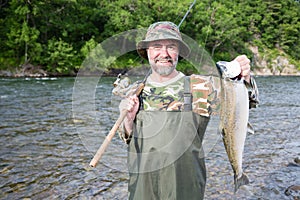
(207, 34)
(191, 6)
(186, 14)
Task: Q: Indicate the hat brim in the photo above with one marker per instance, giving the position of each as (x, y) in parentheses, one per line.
(142, 46)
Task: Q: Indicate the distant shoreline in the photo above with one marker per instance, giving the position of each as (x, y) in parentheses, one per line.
(31, 71)
(5, 74)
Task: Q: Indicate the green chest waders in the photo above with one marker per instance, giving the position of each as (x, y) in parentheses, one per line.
(165, 156)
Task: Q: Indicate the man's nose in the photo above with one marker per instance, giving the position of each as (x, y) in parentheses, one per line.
(164, 51)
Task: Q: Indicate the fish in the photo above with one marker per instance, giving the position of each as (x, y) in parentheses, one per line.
(234, 116)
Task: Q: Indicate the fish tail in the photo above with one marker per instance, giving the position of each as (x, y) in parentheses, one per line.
(238, 182)
(250, 129)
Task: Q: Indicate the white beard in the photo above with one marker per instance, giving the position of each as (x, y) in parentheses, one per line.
(163, 70)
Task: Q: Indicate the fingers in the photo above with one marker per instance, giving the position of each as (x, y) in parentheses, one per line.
(243, 60)
(129, 103)
(245, 66)
(132, 102)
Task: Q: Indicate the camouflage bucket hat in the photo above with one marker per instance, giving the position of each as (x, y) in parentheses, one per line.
(163, 31)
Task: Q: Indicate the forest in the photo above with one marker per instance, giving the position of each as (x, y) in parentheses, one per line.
(57, 35)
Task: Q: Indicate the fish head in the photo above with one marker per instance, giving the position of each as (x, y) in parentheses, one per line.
(229, 69)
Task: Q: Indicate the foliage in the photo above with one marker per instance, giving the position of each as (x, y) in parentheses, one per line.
(60, 57)
(59, 34)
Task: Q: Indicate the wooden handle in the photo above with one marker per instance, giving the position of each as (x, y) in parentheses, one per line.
(112, 132)
(108, 139)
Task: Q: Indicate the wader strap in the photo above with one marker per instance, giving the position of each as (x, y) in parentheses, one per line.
(187, 96)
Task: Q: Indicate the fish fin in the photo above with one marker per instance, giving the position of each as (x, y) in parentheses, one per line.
(238, 182)
(250, 129)
(221, 132)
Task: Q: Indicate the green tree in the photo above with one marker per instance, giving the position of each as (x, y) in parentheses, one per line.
(39, 32)
(61, 57)
(22, 38)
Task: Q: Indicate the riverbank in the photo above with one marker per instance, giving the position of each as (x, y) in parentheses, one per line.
(37, 71)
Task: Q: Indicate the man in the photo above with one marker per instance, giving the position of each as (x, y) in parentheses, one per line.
(165, 125)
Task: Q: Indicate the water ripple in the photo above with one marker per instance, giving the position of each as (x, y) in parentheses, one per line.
(45, 151)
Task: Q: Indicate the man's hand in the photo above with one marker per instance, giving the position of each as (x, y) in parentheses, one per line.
(245, 66)
(131, 104)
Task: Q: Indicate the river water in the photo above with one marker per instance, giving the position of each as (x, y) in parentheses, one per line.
(49, 134)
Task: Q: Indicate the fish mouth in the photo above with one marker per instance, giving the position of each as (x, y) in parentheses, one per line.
(230, 70)
(221, 66)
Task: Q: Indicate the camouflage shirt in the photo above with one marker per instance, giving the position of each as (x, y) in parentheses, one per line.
(168, 96)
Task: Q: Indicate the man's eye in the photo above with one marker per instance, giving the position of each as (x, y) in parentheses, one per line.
(172, 48)
(157, 47)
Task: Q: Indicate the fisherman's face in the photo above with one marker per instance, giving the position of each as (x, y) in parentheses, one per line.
(163, 56)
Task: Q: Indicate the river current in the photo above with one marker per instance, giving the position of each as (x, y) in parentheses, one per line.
(49, 134)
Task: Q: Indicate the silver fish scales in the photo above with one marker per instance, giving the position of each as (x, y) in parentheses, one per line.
(234, 121)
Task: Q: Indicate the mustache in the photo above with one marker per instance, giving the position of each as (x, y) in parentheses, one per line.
(163, 59)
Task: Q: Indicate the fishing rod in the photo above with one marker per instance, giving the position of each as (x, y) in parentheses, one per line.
(124, 112)
(186, 14)
(117, 124)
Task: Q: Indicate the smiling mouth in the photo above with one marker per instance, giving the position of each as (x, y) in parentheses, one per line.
(163, 60)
